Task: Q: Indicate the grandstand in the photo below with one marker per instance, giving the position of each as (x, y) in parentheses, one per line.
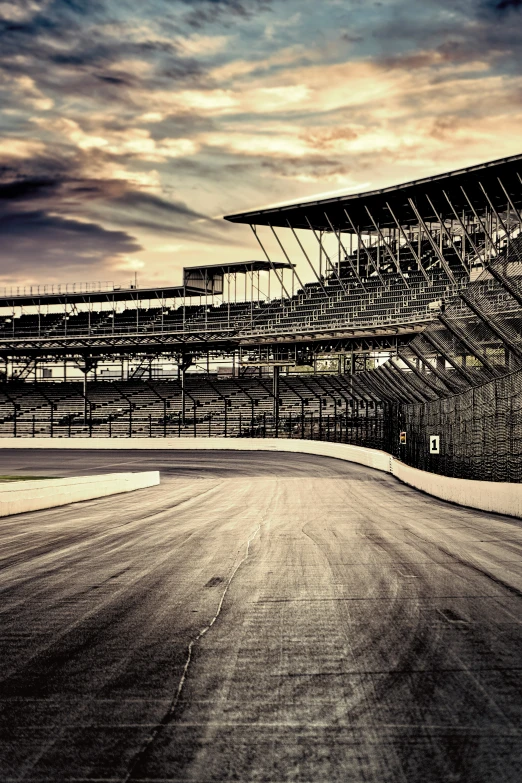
(411, 296)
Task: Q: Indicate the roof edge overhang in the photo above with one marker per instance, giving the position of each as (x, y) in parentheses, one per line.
(285, 215)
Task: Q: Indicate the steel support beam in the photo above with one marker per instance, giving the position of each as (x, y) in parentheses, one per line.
(510, 202)
(377, 384)
(357, 382)
(352, 267)
(497, 214)
(423, 377)
(467, 343)
(408, 393)
(388, 249)
(332, 266)
(465, 230)
(432, 242)
(368, 254)
(270, 261)
(442, 225)
(492, 326)
(408, 243)
(397, 394)
(505, 283)
(287, 258)
(481, 224)
(312, 267)
(452, 388)
(423, 397)
(440, 349)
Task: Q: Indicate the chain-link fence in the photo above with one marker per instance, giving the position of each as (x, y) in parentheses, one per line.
(473, 435)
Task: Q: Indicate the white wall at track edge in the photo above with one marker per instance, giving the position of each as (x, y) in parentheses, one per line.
(499, 497)
(373, 458)
(19, 497)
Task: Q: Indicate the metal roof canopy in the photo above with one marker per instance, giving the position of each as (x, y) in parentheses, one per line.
(116, 295)
(234, 267)
(492, 177)
(209, 272)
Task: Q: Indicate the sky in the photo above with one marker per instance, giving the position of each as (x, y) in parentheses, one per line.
(128, 128)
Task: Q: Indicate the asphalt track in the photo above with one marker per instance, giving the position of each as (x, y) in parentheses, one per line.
(259, 617)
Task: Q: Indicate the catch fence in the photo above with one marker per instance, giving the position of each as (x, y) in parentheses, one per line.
(479, 432)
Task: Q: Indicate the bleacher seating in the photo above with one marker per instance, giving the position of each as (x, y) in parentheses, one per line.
(110, 407)
(328, 305)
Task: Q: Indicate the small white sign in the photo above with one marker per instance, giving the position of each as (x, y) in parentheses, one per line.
(434, 444)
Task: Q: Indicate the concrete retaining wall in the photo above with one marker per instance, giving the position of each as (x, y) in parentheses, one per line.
(500, 497)
(370, 457)
(18, 497)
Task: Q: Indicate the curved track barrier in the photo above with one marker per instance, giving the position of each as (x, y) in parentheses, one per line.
(499, 497)
(21, 496)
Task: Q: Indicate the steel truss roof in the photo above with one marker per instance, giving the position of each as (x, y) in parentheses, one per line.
(435, 198)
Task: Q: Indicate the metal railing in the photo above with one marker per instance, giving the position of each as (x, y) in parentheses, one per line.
(370, 431)
(58, 288)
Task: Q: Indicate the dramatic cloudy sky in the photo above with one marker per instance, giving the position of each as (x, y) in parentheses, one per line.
(129, 127)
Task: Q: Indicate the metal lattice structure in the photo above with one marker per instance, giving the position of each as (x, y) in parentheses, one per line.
(461, 380)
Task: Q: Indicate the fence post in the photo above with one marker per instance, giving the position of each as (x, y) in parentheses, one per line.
(130, 420)
(290, 424)
(277, 423)
(35, 430)
(225, 418)
(264, 424)
(164, 418)
(110, 425)
(52, 420)
(179, 425)
(210, 424)
(240, 424)
(90, 422)
(150, 425)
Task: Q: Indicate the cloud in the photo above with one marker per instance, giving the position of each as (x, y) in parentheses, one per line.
(141, 119)
(42, 243)
(68, 222)
(224, 12)
(504, 5)
(19, 149)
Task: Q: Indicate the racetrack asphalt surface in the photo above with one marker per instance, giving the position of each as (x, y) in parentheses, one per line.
(258, 617)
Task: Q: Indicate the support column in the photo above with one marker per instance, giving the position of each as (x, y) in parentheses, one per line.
(181, 370)
(275, 390)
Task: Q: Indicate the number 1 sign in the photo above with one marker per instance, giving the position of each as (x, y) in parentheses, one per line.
(434, 444)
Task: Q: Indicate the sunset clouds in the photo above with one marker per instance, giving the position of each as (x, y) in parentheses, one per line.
(129, 128)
